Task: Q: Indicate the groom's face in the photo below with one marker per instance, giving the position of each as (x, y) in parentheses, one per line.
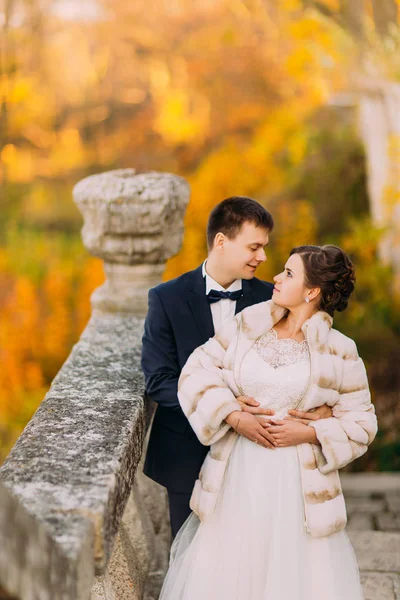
(244, 253)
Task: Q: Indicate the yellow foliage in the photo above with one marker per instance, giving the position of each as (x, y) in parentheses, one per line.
(305, 29)
(9, 155)
(68, 152)
(20, 91)
(292, 5)
(180, 120)
(296, 147)
(22, 169)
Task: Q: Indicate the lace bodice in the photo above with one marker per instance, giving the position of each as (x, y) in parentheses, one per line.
(276, 372)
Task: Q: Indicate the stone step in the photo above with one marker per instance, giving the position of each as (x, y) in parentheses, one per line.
(378, 557)
(377, 550)
(360, 522)
(368, 484)
(388, 521)
(380, 586)
(393, 501)
(370, 506)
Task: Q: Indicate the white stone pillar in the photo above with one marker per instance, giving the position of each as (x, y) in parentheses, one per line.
(380, 131)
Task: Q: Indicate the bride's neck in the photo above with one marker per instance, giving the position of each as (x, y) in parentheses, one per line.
(293, 322)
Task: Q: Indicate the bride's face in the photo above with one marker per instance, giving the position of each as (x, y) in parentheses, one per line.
(290, 290)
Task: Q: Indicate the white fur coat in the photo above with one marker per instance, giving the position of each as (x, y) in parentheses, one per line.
(210, 382)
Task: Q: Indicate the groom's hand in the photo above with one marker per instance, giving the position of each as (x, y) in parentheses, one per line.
(322, 412)
(250, 405)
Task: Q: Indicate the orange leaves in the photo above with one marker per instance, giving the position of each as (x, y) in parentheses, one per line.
(56, 321)
(19, 350)
(20, 318)
(91, 276)
(8, 155)
(41, 317)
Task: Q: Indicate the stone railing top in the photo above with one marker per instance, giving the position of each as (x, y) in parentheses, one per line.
(71, 470)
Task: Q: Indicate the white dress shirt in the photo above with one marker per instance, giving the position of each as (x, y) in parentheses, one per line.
(224, 309)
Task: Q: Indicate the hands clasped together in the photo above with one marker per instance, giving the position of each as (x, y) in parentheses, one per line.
(271, 433)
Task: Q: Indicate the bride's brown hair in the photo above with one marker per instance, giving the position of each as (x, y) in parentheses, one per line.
(329, 268)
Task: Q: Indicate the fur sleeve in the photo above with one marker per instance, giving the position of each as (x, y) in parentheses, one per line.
(203, 393)
(346, 435)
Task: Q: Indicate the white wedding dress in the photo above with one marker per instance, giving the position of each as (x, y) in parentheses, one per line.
(254, 546)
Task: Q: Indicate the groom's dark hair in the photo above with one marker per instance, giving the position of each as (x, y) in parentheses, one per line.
(230, 214)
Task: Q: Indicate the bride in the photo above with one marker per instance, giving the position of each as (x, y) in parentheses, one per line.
(268, 517)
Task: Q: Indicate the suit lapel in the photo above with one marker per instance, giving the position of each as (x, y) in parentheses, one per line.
(247, 299)
(199, 304)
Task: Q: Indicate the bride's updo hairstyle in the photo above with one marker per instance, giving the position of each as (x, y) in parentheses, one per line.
(329, 268)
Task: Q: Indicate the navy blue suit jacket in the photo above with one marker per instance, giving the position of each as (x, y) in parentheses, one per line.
(178, 321)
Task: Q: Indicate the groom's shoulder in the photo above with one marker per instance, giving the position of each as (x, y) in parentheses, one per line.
(262, 289)
(173, 285)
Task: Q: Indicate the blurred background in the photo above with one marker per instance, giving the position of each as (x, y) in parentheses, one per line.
(293, 102)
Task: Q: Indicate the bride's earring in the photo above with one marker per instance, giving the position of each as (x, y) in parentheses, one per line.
(307, 299)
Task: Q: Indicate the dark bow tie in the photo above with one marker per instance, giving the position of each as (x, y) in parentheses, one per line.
(216, 296)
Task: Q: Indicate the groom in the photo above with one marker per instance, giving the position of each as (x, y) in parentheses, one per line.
(183, 314)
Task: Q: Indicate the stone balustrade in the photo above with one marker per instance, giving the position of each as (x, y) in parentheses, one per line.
(75, 522)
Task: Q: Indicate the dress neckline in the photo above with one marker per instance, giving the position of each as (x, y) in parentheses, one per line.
(287, 339)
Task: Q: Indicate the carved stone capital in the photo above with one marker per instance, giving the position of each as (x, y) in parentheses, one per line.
(134, 222)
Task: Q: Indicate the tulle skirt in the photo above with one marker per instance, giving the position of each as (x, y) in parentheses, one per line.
(254, 546)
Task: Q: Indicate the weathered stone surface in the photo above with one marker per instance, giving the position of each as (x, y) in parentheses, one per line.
(43, 561)
(356, 484)
(388, 522)
(132, 218)
(377, 550)
(76, 459)
(135, 223)
(140, 557)
(360, 522)
(365, 505)
(380, 586)
(393, 502)
(102, 588)
(154, 499)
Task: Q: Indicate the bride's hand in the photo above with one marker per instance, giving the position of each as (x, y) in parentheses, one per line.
(251, 427)
(292, 433)
(250, 405)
